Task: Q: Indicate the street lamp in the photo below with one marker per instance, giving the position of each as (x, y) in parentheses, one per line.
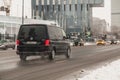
(22, 11)
(55, 14)
(75, 25)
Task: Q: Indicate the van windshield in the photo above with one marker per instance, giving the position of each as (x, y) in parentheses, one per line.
(32, 32)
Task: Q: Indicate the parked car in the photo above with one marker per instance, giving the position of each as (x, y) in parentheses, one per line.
(100, 42)
(5, 44)
(79, 42)
(113, 41)
(42, 39)
(76, 42)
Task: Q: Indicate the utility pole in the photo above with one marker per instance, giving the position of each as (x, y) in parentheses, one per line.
(22, 11)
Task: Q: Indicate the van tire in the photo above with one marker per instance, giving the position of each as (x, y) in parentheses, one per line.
(68, 53)
(52, 55)
(23, 57)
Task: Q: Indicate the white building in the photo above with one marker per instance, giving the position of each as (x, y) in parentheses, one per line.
(115, 12)
(16, 8)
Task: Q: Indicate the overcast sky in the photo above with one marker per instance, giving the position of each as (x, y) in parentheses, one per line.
(103, 12)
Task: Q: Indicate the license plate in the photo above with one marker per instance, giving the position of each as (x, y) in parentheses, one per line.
(31, 42)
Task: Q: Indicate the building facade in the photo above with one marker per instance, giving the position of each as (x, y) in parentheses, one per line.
(115, 13)
(72, 15)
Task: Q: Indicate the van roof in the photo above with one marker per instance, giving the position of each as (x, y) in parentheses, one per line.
(42, 25)
(39, 24)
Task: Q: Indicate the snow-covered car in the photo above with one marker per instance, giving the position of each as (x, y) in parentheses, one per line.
(4, 44)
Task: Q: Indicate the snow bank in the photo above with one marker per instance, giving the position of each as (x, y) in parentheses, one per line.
(109, 72)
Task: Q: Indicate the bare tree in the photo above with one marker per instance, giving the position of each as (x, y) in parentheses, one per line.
(115, 30)
(99, 27)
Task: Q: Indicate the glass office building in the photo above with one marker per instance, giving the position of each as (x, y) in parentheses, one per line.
(72, 15)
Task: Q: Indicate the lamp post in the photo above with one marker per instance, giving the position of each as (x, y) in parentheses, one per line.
(75, 25)
(22, 11)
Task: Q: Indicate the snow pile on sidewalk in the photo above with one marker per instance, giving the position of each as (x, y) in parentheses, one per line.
(90, 43)
(109, 72)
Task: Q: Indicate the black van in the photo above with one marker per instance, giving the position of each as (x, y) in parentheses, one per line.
(42, 39)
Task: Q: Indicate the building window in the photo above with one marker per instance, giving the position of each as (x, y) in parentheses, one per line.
(58, 7)
(64, 7)
(47, 7)
(87, 7)
(75, 7)
(37, 2)
(70, 7)
(36, 7)
(53, 7)
(42, 8)
(81, 7)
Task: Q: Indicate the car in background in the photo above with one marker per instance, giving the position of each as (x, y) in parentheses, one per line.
(79, 42)
(5, 44)
(118, 41)
(113, 41)
(108, 41)
(100, 42)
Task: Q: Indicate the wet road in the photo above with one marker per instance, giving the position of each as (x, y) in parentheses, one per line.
(37, 68)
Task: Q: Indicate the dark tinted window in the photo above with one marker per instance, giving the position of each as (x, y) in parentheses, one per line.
(29, 32)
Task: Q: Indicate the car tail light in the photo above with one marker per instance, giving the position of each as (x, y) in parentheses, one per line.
(17, 42)
(47, 42)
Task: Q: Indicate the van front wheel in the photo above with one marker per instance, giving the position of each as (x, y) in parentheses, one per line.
(68, 53)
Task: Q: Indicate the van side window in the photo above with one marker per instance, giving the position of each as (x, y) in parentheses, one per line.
(51, 31)
(55, 32)
(59, 33)
(63, 33)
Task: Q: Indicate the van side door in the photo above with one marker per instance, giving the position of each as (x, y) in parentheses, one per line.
(56, 39)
